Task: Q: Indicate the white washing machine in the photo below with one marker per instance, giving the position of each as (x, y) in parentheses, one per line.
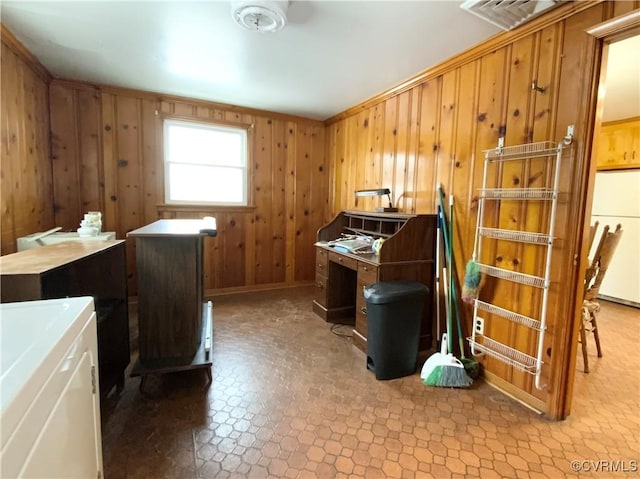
(49, 395)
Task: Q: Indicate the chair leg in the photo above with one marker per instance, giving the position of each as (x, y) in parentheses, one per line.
(583, 343)
(596, 335)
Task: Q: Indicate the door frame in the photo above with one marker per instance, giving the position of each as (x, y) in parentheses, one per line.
(610, 31)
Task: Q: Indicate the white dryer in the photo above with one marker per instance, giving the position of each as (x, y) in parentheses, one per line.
(49, 395)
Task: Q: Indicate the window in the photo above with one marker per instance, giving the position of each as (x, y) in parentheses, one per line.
(204, 163)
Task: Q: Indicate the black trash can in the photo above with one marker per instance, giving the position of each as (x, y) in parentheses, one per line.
(394, 315)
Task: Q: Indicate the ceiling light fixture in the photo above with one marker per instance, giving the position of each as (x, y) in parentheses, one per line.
(260, 15)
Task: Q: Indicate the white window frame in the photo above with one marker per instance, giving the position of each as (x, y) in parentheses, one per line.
(244, 134)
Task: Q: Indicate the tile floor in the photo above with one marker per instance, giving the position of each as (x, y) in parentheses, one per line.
(290, 399)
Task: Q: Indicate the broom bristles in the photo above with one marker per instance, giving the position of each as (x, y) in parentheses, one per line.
(454, 377)
(449, 376)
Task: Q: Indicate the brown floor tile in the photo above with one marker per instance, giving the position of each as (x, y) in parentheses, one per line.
(291, 400)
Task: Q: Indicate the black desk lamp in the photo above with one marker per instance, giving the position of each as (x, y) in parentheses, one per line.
(379, 192)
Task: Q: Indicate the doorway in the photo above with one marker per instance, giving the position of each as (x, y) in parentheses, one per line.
(616, 193)
(613, 198)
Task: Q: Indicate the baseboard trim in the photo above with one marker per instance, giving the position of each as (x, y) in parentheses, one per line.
(624, 302)
(530, 402)
(216, 293)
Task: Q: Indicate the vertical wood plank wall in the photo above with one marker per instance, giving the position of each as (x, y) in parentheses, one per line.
(26, 202)
(69, 147)
(107, 156)
(434, 132)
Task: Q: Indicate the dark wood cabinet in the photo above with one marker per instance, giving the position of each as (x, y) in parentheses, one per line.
(79, 268)
(408, 253)
(173, 322)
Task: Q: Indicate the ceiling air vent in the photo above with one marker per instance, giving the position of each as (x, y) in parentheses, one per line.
(508, 14)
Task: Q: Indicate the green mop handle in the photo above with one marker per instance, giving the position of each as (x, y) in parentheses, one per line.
(454, 293)
(445, 236)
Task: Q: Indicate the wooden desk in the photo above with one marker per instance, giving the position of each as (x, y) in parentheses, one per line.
(79, 268)
(408, 253)
(173, 321)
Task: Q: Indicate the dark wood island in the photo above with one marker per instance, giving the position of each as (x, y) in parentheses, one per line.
(174, 324)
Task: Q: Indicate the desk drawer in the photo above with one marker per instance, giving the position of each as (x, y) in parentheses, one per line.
(367, 274)
(321, 288)
(321, 260)
(345, 261)
(361, 316)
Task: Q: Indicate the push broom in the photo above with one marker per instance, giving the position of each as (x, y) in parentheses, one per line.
(471, 365)
(449, 371)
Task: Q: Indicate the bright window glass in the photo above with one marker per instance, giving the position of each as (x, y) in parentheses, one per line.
(205, 163)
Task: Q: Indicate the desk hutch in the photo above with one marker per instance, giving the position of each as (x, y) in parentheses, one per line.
(408, 253)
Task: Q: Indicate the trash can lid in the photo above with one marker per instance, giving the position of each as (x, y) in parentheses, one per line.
(393, 291)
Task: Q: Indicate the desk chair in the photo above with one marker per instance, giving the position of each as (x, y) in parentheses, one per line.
(593, 279)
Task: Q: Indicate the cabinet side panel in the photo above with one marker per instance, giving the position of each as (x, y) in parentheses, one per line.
(19, 288)
(168, 297)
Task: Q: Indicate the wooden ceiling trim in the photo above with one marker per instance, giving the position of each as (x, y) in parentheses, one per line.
(623, 26)
(143, 94)
(495, 42)
(10, 40)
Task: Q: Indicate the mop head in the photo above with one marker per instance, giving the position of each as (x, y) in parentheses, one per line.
(450, 373)
(472, 280)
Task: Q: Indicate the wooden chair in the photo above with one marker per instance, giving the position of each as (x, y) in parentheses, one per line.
(593, 280)
(592, 234)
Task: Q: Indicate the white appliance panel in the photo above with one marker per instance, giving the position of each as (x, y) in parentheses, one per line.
(622, 280)
(65, 434)
(617, 193)
(50, 414)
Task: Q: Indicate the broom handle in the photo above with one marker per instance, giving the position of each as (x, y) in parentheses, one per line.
(447, 298)
(453, 286)
(448, 258)
(453, 296)
(438, 276)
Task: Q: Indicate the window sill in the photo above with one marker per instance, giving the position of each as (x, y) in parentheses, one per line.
(175, 208)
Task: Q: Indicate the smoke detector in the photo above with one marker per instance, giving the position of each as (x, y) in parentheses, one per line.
(260, 15)
(508, 14)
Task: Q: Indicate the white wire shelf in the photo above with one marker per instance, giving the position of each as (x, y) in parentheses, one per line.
(517, 193)
(513, 235)
(520, 152)
(506, 354)
(514, 276)
(510, 315)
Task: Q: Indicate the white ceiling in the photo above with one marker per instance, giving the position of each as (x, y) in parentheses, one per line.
(331, 55)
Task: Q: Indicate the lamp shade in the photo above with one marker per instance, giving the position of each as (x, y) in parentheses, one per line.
(379, 192)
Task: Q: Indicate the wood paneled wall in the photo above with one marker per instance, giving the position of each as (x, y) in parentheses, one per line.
(433, 131)
(25, 172)
(107, 156)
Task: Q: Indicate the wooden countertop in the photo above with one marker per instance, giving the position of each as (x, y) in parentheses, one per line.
(179, 227)
(45, 258)
(370, 258)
